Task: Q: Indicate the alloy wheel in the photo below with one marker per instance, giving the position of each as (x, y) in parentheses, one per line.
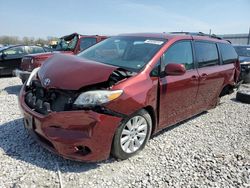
(133, 134)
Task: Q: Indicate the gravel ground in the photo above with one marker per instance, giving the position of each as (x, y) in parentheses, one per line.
(209, 150)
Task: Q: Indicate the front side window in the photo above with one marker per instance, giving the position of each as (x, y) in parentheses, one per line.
(128, 52)
(34, 49)
(206, 54)
(86, 43)
(15, 52)
(179, 53)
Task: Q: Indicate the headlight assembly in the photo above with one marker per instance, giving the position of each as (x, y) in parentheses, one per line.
(96, 97)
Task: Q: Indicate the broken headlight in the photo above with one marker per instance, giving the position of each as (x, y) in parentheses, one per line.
(96, 97)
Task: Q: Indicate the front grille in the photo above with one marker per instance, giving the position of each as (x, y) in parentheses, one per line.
(45, 101)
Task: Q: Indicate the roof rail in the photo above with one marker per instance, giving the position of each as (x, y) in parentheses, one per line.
(197, 34)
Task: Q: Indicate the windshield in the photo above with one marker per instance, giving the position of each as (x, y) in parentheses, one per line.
(127, 52)
(66, 45)
(243, 50)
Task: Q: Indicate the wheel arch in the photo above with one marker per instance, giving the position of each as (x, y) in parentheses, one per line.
(227, 89)
(153, 116)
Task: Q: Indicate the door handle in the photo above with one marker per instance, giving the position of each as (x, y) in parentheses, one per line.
(194, 77)
(204, 76)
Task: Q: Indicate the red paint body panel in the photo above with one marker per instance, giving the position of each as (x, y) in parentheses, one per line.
(73, 77)
(170, 98)
(178, 97)
(38, 59)
(211, 81)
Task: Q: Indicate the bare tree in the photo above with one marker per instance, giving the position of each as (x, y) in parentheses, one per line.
(6, 40)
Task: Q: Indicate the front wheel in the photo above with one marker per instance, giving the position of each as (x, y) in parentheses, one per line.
(132, 135)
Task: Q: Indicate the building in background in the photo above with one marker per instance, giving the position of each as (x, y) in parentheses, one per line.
(242, 39)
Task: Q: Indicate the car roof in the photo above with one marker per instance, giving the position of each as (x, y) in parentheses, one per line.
(17, 45)
(71, 36)
(9, 46)
(151, 35)
(180, 35)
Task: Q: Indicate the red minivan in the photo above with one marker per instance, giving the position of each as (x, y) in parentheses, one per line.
(113, 96)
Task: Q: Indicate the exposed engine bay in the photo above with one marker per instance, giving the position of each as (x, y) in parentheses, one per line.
(45, 101)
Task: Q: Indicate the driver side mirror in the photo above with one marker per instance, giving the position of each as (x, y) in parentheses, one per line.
(173, 69)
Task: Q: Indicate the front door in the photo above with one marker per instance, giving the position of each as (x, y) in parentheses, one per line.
(178, 93)
(11, 59)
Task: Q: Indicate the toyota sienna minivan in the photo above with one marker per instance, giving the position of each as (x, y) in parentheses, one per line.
(112, 97)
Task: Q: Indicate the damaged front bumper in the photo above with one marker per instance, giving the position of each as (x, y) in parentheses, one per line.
(245, 72)
(82, 135)
(23, 75)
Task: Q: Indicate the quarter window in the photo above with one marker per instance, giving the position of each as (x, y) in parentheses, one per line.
(228, 53)
(86, 43)
(156, 69)
(206, 54)
(179, 53)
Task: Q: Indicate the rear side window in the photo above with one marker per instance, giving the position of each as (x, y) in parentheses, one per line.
(206, 54)
(179, 53)
(35, 49)
(228, 53)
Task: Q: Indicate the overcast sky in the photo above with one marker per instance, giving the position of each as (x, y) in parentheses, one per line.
(60, 17)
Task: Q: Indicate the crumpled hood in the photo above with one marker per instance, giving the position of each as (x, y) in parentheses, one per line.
(71, 72)
(45, 55)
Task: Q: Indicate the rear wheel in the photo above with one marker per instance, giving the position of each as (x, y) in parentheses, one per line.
(132, 135)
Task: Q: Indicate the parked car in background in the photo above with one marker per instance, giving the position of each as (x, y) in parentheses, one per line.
(244, 55)
(69, 44)
(113, 96)
(11, 56)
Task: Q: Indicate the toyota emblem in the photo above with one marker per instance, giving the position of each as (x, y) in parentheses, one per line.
(46, 81)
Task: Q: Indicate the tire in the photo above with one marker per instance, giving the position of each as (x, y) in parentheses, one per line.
(131, 136)
(247, 78)
(243, 96)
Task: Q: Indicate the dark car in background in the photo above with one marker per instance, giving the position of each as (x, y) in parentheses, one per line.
(69, 44)
(11, 56)
(244, 56)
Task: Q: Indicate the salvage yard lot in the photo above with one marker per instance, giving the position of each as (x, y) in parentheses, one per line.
(211, 149)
